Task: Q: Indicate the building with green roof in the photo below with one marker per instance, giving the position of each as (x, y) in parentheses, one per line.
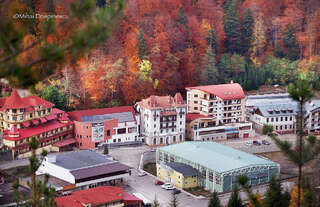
(219, 165)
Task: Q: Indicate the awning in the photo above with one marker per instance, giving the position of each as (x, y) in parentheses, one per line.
(43, 120)
(232, 132)
(35, 121)
(65, 142)
(51, 117)
(26, 123)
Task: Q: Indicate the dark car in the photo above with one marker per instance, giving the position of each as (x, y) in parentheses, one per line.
(158, 182)
(176, 191)
(265, 142)
(255, 142)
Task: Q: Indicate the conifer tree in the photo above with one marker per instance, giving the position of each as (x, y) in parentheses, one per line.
(246, 32)
(274, 196)
(210, 71)
(181, 16)
(290, 43)
(174, 200)
(232, 27)
(214, 200)
(211, 40)
(142, 46)
(307, 147)
(235, 200)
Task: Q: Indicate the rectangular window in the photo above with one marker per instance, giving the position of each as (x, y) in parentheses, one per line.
(281, 119)
(267, 120)
(286, 118)
(108, 132)
(195, 102)
(290, 118)
(121, 131)
(195, 108)
(211, 176)
(195, 95)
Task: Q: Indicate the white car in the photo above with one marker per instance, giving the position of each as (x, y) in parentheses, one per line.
(141, 173)
(248, 143)
(168, 186)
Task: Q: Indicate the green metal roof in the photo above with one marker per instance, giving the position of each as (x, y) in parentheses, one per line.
(214, 156)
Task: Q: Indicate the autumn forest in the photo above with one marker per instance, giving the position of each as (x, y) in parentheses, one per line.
(161, 46)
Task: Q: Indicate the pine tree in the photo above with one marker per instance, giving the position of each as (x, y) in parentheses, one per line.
(40, 194)
(307, 148)
(210, 71)
(174, 200)
(246, 32)
(211, 40)
(274, 196)
(258, 40)
(214, 200)
(142, 46)
(235, 200)
(290, 43)
(232, 27)
(96, 26)
(181, 16)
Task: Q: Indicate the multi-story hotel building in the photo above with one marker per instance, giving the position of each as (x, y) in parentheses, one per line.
(225, 102)
(217, 112)
(23, 118)
(162, 119)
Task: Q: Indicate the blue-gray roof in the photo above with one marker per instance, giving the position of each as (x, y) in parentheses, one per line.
(121, 116)
(283, 109)
(81, 159)
(182, 168)
(214, 156)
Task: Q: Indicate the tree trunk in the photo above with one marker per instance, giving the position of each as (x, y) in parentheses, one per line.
(300, 149)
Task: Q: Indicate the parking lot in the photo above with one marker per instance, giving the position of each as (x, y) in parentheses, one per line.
(145, 185)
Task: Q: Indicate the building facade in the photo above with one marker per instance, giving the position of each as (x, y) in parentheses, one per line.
(218, 165)
(225, 102)
(312, 117)
(108, 125)
(179, 174)
(82, 170)
(281, 116)
(24, 118)
(162, 119)
(204, 128)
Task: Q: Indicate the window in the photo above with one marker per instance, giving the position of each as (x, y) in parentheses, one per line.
(286, 118)
(180, 122)
(14, 110)
(281, 119)
(277, 119)
(267, 120)
(195, 95)
(195, 102)
(211, 176)
(195, 108)
(108, 132)
(271, 119)
(121, 131)
(290, 118)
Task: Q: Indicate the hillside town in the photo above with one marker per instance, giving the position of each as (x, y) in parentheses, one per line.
(204, 142)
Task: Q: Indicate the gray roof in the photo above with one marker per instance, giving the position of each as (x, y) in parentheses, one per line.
(184, 169)
(107, 169)
(122, 117)
(81, 159)
(272, 110)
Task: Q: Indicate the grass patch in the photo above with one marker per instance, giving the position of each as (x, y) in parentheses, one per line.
(150, 168)
(198, 191)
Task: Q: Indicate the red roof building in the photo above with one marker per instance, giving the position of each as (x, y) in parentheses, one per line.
(117, 125)
(24, 117)
(99, 196)
(225, 102)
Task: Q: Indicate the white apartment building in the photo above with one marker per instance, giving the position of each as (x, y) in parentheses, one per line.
(225, 102)
(312, 118)
(282, 116)
(162, 119)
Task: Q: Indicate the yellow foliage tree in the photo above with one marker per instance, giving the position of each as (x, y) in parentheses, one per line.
(258, 40)
(294, 197)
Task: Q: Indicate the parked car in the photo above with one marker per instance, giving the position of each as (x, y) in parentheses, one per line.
(248, 143)
(168, 186)
(158, 182)
(265, 142)
(257, 143)
(176, 191)
(141, 173)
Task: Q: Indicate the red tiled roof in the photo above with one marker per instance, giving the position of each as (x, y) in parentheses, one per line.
(14, 101)
(130, 199)
(64, 142)
(32, 131)
(162, 101)
(94, 196)
(193, 116)
(76, 115)
(223, 91)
